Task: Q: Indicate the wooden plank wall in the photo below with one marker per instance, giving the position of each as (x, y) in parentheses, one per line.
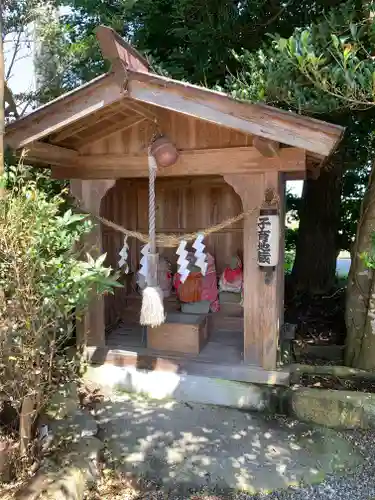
(184, 205)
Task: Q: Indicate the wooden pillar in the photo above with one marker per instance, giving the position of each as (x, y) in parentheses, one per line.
(261, 301)
(281, 267)
(90, 193)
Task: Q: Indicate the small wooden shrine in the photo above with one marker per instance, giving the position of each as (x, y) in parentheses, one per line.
(233, 158)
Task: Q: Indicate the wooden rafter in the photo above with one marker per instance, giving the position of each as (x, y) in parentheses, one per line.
(266, 146)
(139, 109)
(82, 125)
(105, 132)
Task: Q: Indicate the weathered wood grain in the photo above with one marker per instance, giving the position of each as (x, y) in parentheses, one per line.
(236, 160)
(64, 111)
(261, 301)
(264, 121)
(90, 194)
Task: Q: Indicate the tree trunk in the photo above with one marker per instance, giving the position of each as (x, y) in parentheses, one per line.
(314, 268)
(2, 104)
(26, 423)
(360, 298)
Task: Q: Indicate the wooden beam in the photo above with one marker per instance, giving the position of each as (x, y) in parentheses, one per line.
(64, 111)
(239, 160)
(114, 48)
(266, 147)
(91, 329)
(140, 109)
(264, 121)
(295, 176)
(261, 300)
(42, 152)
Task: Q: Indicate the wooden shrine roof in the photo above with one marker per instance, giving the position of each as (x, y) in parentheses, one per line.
(129, 94)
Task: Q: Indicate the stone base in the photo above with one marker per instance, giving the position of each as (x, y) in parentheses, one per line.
(183, 388)
(331, 408)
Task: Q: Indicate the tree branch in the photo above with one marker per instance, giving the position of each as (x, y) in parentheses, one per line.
(15, 52)
(8, 97)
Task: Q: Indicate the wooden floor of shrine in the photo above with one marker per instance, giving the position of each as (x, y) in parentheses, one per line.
(221, 357)
(222, 346)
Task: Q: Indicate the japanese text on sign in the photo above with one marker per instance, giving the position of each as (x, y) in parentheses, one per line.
(264, 237)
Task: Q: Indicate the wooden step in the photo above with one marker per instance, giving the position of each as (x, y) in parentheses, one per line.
(219, 322)
(231, 309)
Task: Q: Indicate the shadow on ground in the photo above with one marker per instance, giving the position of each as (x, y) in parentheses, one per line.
(184, 446)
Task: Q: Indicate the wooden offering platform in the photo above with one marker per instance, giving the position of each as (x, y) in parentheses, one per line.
(183, 333)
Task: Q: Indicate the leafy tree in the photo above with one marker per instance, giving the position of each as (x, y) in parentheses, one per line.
(331, 66)
(2, 102)
(298, 72)
(192, 40)
(17, 33)
(18, 17)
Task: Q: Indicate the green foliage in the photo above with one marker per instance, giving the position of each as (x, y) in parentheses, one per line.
(291, 239)
(331, 61)
(44, 286)
(368, 258)
(289, 261)
(325, 69)
(18, 176)
(193, 41)
(45, 240)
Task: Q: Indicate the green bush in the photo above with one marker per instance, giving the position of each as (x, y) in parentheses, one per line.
(43, 283)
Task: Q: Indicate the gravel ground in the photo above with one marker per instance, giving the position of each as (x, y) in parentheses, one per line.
(356, 486)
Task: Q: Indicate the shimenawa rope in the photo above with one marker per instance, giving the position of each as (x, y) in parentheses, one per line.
(173, 240)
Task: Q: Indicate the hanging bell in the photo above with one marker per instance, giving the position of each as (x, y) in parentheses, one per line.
(164, 152)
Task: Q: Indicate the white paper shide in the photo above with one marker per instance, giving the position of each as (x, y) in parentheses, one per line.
(123, 262)
(182, 261)
(200, 256)
(143, 264)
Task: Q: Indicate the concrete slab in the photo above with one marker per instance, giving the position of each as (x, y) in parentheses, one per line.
(194, 446)
(181, 387)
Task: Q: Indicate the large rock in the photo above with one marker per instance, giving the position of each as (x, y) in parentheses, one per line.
(68, 477)
(331, 408)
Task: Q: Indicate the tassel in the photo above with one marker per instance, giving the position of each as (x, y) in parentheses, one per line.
(152, 311)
